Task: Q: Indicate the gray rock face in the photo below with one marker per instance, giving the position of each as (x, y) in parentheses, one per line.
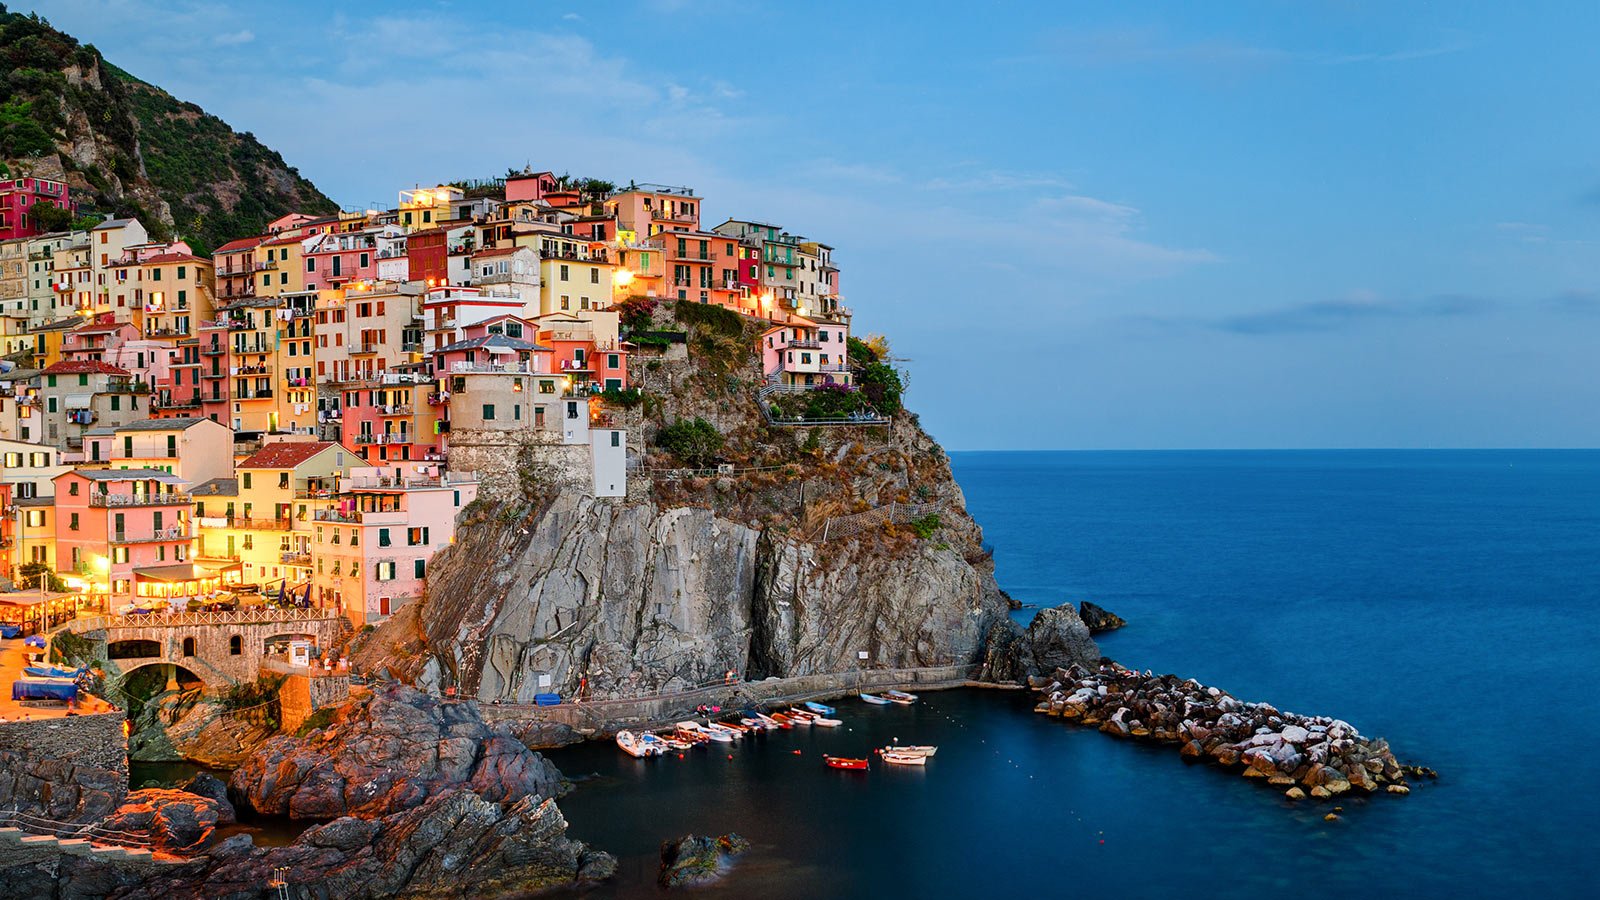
(174, 821)
(390, 753)
(695, 860)
(629, 598)
(57, 789)
(1057, 638)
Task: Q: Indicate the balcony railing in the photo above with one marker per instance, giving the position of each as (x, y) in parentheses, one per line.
(402, 438)
(113, 501)
(396, 409)
(482, 368)
(175, 533)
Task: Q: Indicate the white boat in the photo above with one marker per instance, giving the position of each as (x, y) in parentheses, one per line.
(716, 728)
(771, 723)
(651, 742)
(826, 722)
(631, 745)
(905, 759)
(819, 708)
(673, 743)
(873, 698)
(719, 736)
(900, 697)
(754, 723)
(916, 750)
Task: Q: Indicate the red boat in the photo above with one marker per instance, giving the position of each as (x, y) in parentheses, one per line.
(840, 762)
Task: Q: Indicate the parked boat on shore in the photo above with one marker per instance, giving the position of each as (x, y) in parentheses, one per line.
(900, 697)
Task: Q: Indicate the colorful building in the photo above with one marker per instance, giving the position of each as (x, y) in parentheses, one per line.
(18, 197)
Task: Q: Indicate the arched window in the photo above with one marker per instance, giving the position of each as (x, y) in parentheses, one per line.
(235, 645)
(188, 646)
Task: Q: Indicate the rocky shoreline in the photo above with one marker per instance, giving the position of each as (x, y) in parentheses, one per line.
(1307, 756)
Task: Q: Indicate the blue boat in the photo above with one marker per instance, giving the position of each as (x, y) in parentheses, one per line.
(819, 708)
(870, 698)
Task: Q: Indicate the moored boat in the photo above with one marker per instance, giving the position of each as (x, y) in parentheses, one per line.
(913, 750)
(900, 697)
(905, 759)
(770, 721)
(633, 746)
(824, 722)
(841, 762)
(874, 699)
(719, 731)
(676, 743)
(819, 708)
(653, 743)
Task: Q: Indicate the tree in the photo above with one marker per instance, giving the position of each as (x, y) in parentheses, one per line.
(34, 572)
(694, 441)
(882, 386)
(50, 217)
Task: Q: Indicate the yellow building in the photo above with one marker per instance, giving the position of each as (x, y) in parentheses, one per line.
(262, 518)
(272, 364)
(427, 207)
(283, 265)
(574, 274)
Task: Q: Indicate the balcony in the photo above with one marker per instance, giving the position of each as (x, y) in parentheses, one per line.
(365, 348)
(485, 368)
(401, 438)
(804, 345)
(175, 533)
(396, 409)
(118, 501)
(576, 365)
(213, 350)
(253, 395)
(213, 374)
(296, 559)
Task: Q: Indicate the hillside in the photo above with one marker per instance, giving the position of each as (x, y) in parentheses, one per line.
(132, 149)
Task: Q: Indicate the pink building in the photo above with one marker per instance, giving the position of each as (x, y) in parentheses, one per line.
(371, 549)
(97, 340)
(17, 199)
(389, 418)
(112, 522)
(336, 259)
(806, 353)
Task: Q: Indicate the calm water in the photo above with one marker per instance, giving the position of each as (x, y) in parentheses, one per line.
(1449, 601)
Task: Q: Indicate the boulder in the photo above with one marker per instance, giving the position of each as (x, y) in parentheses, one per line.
(387, 753)
(172, 821)
(695, 860)
(209, 786)
(1098, 619)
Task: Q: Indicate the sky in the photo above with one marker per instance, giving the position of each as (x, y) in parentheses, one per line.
(1081, 225)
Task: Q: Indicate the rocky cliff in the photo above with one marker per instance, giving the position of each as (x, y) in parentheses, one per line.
(696, 575)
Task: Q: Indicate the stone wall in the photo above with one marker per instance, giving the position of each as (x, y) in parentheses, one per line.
(71, 769)
(499, 458)
(302, 695)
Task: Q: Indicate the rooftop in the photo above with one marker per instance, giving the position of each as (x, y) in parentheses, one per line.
(84, 366)
(284, 454)
(126, 475)
(176, 423)
(216, 487)
(495, 342)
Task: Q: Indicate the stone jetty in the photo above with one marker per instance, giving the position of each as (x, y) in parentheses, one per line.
(1305, 756)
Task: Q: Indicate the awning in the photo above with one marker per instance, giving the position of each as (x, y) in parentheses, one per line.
(182, 572)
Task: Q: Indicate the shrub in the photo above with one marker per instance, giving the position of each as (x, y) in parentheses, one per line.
(33, 571)
(860, 352)
(694, 441)
(926, 526)
(626, 398)
(708, 317)
(882, 386)
(636, 313)
(321, 718)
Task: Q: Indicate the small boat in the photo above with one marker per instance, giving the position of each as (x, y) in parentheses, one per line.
(692, 734)
(675, 743)
(840, 762)
(819, 708)
(800, 714)
(873, 698)
(905, 759)
(653, 743)
(900, 697)
(792, 720)
(753, 724)
(776, 722)
(915, 750)
(740, 727)
(631, 745)
(826, 722)
(716, 729)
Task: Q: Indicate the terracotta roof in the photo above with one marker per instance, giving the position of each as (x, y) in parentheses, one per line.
(286, 240)
(240, 244)
(171, 258)
(285, 454)
(84, 366)
(500, 251)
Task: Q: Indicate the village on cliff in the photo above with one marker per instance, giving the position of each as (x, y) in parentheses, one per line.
(303, 415)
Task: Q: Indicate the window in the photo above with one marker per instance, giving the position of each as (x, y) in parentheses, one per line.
(563, 272)
(572, 410)
(594, 276)
(73, 489)
(612, 360)
(188, 646)
(235, 645)
(416, 536)
(488, 412)
(73, 525)
(384, 571)
(616, 439)
(420, 568)
(247, 481)
(383, 537)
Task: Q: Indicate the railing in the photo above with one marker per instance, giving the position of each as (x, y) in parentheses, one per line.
(401, 438)
(517, 368)
(94, 834)
(175, 533)
(110, 501)
(296, 559)
(247, 616)
(893, 514)
(805, 345)
(399, 409)
(260, 524)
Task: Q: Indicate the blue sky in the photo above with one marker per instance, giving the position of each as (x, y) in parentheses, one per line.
(1083, 225)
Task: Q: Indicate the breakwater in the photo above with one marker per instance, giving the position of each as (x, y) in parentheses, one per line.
(1315, 756)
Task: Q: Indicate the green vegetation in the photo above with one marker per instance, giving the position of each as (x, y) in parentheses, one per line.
(251, 693)
(860, 352)
(709, 318)
(321, 718)
(926, 526)
(72, 650)
(882, 386)
(218, 183)
(694, 441)
(825, 403)
(636, 313)
(626, 398)
(31, 573)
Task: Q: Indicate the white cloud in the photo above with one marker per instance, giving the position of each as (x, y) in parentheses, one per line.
(234, 38)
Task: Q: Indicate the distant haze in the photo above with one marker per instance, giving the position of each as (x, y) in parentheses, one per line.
(1084, 225)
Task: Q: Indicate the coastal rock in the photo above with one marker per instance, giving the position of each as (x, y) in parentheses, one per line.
(455, 844)
(1326, 756)
(172, 821)
(209, 786)
(1098, 619)
(695, 860)
(389, 753)
(57, 788)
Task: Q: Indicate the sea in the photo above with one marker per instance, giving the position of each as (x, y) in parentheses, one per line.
(1448, 601)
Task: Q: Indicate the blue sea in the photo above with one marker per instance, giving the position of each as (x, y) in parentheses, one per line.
(1448, 601)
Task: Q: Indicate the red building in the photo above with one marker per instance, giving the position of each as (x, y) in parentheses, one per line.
(429, 252)
(17, 199)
